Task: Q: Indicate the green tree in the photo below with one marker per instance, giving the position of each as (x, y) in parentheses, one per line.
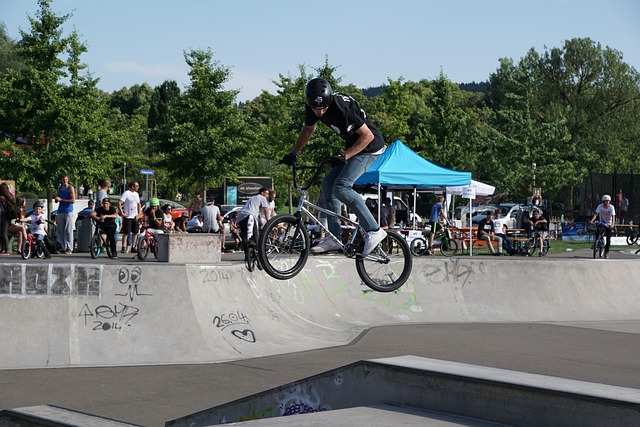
(208, 132)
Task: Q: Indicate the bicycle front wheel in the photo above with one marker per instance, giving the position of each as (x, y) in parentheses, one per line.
(25, 251)
(632, 237)
(448, 247)
(598, 248)
(95, 247)
(143, 248)
(250, 257)
(418, 246)
(283, 247)
(388, 267)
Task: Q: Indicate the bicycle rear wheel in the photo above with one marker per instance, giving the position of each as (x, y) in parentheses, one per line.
(283, 247)
(448, 247)
(546, 246)
(418, 246)
(95, 247)
(389, 265)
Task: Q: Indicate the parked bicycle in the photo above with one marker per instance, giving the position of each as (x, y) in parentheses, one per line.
(443, 239)
(283, 245)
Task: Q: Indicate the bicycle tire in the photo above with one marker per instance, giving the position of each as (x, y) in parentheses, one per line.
(143, 248)
(39, 252)
(546, 246)
(153, 244)
(250, 258)
(25, 251)
(448, 247)
(386, 270)
(283, 247)
(95, 247)
(632, 237)
(418, 246)
(598, 248)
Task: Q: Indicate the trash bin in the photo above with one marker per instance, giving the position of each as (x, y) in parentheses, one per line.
(85, 230)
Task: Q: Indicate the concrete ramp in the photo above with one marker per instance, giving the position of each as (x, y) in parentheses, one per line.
(474, 392)
(61, 315)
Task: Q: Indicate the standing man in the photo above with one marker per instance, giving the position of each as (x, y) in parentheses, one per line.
(103, 192)
(212, 220)
(607, 216)
(437, 211)
(65, 197)
(196, 205)
(363, 143)
(129, 205)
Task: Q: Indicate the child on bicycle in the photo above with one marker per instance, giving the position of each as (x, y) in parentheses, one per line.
(37, 221)
(607, 215)
(154, 217)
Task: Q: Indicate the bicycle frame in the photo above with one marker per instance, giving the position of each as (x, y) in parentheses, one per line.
(305, 205)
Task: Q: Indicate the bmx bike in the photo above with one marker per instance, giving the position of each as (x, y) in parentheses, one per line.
(99, 243)
(443, 238)
(283, 245)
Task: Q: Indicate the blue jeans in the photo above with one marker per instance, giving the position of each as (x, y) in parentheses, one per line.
(337, 188)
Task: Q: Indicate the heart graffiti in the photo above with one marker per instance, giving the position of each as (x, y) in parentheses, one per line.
(246, 335)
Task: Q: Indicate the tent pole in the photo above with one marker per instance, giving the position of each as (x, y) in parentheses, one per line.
(470, 229)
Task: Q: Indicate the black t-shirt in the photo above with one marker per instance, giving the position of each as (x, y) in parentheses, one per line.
(485, 226)
(101, 212)
(345, 117)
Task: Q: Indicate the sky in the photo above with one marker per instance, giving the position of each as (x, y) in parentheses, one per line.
(369, 41)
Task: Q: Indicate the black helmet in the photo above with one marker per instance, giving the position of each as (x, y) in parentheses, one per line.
(318, 93)
(38, 204)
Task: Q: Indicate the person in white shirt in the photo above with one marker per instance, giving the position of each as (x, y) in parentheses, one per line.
(129, 205)
(250, 213)
(606, 213)
(500, 230)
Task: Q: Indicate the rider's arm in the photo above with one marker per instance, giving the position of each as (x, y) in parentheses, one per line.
(304, 137)
(365, 136)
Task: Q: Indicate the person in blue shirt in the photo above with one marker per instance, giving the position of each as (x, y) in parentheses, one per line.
(437, 212)
(66, 197)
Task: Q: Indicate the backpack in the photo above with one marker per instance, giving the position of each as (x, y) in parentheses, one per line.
(53, 245)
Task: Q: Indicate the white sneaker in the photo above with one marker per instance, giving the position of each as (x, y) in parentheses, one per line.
(372, 240)
(327, 245)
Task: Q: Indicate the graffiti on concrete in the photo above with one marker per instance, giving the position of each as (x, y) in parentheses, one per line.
(235, 321)
(299, 399)
(130, 279)
(52, 280)
(452, 271)
(106, 318)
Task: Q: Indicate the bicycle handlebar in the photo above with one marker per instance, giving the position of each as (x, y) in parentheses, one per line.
(313, 179)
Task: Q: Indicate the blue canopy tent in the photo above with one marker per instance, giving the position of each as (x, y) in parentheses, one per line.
(399, 167)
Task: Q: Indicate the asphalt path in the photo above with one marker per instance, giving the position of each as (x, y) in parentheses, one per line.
(599, 352)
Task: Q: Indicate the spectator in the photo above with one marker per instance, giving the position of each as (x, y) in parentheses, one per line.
(194, 225)
(105, 215)
(235, 231)
(37, 223)
(486, 232)
(622, 206)
(437, 214)
(500, 230)
(212, 220)
(196, 205)
(181, 222)
(272, 207)
(538, 227)
(8, 210)
(103, 191)
(168, 226)
(129, 205)
(387, 214)
(17, 228)
(65, 197)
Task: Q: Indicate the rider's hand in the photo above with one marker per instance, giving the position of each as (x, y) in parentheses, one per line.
(289, 159)
(338, 160)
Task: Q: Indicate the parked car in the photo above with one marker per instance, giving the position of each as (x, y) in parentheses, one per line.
(176, 208)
